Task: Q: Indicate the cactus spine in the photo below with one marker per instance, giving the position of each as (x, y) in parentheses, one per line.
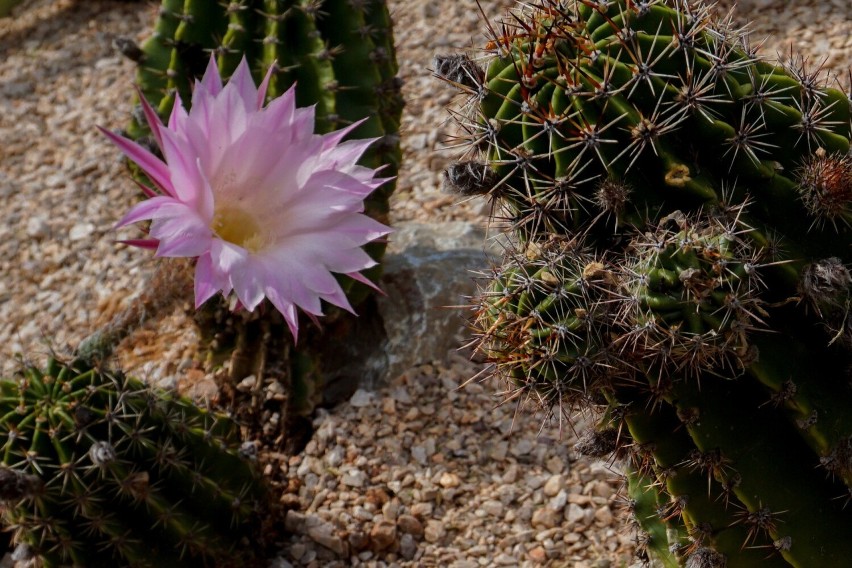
(99, 470)
(681, 216)
(341, 55)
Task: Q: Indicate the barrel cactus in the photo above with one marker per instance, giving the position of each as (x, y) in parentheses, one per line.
(679, 209)
(99, 470)
(340, 55)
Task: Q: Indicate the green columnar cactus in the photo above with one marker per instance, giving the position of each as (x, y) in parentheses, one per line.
(681, 212)
(340, 53)
(99, 470)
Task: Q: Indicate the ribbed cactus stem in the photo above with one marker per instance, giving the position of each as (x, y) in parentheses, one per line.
(699, 301)
(99, 469)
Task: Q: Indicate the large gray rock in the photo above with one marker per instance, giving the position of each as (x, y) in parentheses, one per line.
(429, 271)
(428, 277)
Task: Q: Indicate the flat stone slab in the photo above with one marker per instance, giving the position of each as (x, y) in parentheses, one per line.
(429, 273)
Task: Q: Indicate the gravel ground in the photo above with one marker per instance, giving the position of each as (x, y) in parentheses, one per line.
(417, 474)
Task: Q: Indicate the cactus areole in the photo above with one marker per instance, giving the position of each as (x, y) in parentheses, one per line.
(680, 209)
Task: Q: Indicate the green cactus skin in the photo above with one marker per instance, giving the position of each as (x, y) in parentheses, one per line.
(680, 211)
(652, 533)
(99, 470)
(341, 55)
(6, 7)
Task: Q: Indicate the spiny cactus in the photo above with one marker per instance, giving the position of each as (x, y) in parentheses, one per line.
(340, 54)
(99, 470)
(681, 212)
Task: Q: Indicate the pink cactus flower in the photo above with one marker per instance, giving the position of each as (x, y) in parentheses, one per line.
(269, 208)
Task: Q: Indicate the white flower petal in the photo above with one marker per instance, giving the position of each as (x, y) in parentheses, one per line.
(242, 82)
(211, 81)
(207, 280)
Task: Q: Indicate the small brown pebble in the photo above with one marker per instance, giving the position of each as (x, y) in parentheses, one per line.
(383, 535)
(422, 510)
(434, 531)
(538, 555)
(377, 496)
(295, 522)
(410, 525)
(449, 480)
(545, 517)
(358, 540)
(289, 501)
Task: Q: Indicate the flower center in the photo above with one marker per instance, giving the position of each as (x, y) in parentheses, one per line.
(236, 226)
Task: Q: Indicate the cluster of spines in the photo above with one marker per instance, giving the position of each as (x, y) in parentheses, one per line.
(691, 296)
(542, 323)
(596, 124)
(560, 323)
(99, 470)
